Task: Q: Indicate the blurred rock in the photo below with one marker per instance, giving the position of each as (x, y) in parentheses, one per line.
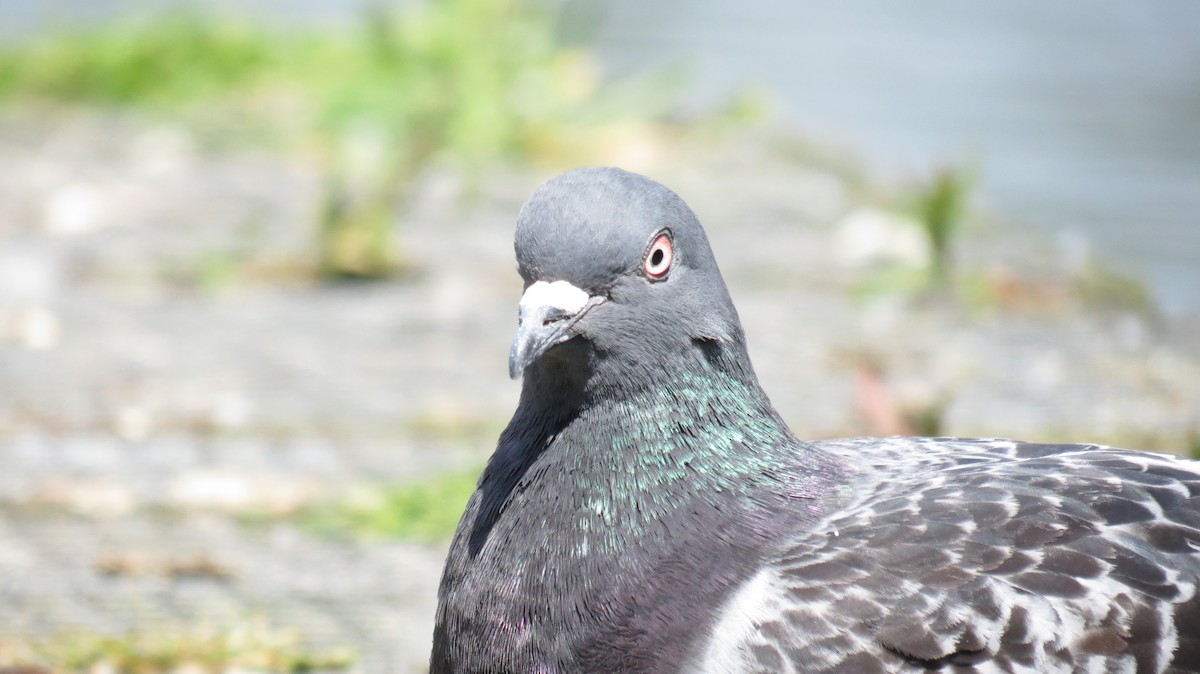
(163, 150)
(868, 236)
(227, 491)
(132, 422)
(37, 328)
(28, 275)
(231, 410)
(74, 209)
(91, 497)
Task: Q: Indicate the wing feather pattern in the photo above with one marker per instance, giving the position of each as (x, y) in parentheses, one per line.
(982, 556)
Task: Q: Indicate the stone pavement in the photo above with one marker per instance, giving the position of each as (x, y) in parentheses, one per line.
(148, 403)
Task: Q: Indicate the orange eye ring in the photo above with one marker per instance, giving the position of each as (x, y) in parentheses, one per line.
(659, 256)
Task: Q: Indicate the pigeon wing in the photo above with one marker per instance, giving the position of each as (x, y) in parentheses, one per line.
(982, 556)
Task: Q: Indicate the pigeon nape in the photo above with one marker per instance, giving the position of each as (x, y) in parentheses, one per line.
(647, 510)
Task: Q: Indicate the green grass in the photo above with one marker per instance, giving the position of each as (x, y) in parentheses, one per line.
(426, 511)
(248, 645)
(464, 82)
(166, 60)
(468, 80)
(941, 208)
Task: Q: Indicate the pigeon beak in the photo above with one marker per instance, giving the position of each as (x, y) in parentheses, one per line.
(548, 310)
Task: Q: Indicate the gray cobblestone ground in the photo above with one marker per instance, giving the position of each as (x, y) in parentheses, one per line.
(140, 414)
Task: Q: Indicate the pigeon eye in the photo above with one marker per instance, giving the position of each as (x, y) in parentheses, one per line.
(658, 258)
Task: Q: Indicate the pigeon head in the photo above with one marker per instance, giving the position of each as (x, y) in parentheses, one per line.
(616, 267)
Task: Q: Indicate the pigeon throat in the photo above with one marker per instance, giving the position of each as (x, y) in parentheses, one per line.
(646, 427)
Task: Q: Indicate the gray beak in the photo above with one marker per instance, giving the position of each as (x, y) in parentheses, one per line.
(548, 311)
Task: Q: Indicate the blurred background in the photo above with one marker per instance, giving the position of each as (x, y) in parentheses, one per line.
(257, 286)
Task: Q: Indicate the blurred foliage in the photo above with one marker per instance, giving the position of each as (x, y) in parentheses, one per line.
(426, 511)
(938, 209)
(941, 209)
(250, 645)
(355, 233)
(1106, 289)
(469, 79)
(928, 420)
(890, 279)
(166, 60)
(461, 81)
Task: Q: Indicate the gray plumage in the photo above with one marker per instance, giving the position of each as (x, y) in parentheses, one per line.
(647, 510)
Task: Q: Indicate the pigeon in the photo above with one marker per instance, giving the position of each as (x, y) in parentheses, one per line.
(648, 510)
